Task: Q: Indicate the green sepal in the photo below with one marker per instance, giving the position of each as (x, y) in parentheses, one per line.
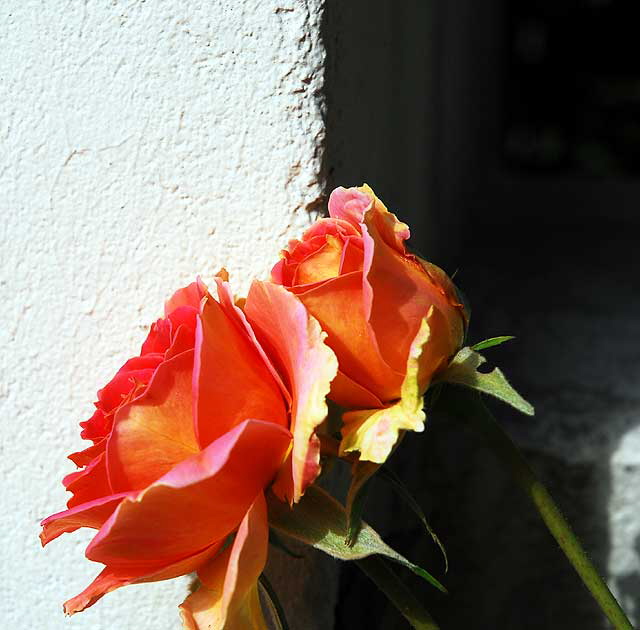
(463, 370)
(376, 569)
(492, 341)
(320, 521)
(272, 601)
(391, 478)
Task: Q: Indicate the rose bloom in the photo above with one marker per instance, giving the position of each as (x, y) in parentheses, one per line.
(393, 319)
(220, 404)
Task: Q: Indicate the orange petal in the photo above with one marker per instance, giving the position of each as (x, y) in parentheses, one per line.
(403, 291)
(347, 393)
(92, 514)
(232, 376)
(88, 484)
(191, 295)
(340, 305)
(228, 597)
(154, 432)
(374, 432)
(234, 311)
(352, 256)
(322, 264)
(197, 503)
(111, 578)
(86, 456)
(308, 365)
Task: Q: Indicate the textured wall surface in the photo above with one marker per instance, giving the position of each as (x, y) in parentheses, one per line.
(140, 143)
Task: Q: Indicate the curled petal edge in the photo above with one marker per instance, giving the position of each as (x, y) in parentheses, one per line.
(228, 596)
(374, 432)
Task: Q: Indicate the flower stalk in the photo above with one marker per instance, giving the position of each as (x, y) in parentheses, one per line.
(468, 407)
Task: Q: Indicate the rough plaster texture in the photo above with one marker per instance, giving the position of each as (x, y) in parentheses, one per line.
(141, 143)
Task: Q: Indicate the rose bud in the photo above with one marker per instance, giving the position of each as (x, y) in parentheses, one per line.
(218, 406)
(393, 319)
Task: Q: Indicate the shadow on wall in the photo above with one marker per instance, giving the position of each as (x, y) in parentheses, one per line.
(420, 105)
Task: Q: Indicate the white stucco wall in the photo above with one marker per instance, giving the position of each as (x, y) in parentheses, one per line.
(141, 143)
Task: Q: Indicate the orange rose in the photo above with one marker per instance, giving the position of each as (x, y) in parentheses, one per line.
(221, 404)
(393, 319)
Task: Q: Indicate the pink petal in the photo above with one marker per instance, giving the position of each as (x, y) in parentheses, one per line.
(349, 204)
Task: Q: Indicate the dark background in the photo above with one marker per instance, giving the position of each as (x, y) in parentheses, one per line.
(507, 134)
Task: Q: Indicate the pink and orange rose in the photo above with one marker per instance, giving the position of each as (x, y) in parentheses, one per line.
(393, 319)
(221, 404)
(225, 398)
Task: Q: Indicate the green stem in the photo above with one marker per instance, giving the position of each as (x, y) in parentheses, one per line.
(277, 612)
(469, 408)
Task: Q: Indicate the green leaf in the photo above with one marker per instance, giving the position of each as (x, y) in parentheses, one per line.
(399, 595)
(463, 370)
(272, 601)
(390, 477)
(320, 521)
(492, 341)
(361, 473)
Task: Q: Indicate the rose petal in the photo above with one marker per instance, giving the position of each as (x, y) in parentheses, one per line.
(307, 364)
(232, 378)
(93, 514)
(154, 432)
(322, 264)
(97, 427)
(183, 339)
(138, 368)
(352, 255)
(197, 503)
(393, 232)
(86, 456)
(374, 432)
(88, 484)
(191, 295)
(111, 578)
(233, 309)
(228, 596)
(158, 339)
(403, 292)
(340, 306)
(349, 204)
(347, 393)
